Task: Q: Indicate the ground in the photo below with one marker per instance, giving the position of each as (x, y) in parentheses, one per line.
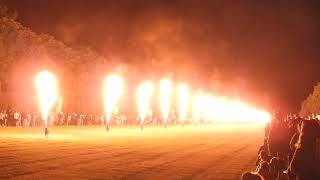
(217, 151)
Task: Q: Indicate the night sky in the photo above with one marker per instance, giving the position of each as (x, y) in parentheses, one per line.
(273, 46)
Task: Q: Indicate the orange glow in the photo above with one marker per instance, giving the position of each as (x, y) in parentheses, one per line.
(220, 109)
(144, 95)
(183, 93)
(245, 113)
(165, 94)
(197, 107)
(208, 107)
(46, 87)
(113, 90)
(59, 105)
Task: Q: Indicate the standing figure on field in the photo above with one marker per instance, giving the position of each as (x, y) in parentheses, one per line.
(17, 118)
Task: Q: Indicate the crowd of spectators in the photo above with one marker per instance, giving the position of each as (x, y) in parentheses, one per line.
(290, 150)
(33, 119)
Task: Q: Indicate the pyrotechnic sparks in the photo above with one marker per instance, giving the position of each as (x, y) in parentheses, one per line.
(183, 95)
(197, 108)
(245, 113)
(165, 96)
(220, 109)
(204, 106)
(224, 110)
(144, 95)
(113, 90)
(46, 87)
(207, 107)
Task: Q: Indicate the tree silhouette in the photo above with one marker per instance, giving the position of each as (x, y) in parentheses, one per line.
(311, 105)
(20, 47)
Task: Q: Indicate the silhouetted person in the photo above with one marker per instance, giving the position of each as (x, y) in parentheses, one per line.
(305, 163)
(251, 176)
(263, 156)
(264, 170)
(279, 138)
(264, 147)
(17, 118)
(2, 122)
(293, 142)
(277, 168)
(274, 168)
(284, 176)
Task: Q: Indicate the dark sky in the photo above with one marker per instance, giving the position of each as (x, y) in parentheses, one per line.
(274, 46)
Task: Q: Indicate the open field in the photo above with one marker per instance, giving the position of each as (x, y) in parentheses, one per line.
(221, 151)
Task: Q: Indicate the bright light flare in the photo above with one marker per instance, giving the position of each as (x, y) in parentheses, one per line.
(220, 109)
(197, 107)
(113, 90)
(207, 107)
(250, 114)
(183, 95)
(144, 96)
(47, 91)
(165, 96)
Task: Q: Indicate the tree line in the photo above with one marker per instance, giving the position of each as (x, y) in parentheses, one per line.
(24, 52)
(311, 105)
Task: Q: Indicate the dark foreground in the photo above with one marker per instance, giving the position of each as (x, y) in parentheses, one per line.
(221, 151)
